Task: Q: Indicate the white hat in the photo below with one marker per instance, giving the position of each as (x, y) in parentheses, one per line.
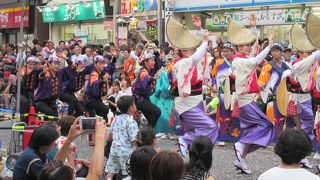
(300, 40)
(180, 36)
(240, 35)
(54, 58)
(33, 59)
(313, 29)
(148, 54)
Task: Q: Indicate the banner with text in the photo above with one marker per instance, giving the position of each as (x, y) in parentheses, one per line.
(264, 17)
(11, 18)
(192, 5)
(138, 6)
(74, 12)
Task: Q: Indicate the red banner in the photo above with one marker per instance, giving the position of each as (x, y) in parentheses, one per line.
(11, 18)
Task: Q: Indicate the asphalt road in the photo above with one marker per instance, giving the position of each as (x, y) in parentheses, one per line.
(223, 157)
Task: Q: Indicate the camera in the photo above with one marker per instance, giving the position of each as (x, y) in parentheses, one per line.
(87, 123)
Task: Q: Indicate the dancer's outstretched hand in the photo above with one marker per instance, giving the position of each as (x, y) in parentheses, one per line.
(270, 40)
(196, 22)
(253, 20)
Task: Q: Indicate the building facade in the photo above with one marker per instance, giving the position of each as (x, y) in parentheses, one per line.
(276, 16)
(137, 20)
(10, 19)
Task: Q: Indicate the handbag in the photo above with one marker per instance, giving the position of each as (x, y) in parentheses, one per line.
(291, 109)
(236, 110)
(317, 125)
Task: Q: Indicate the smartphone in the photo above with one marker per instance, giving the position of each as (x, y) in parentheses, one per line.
(87, 123)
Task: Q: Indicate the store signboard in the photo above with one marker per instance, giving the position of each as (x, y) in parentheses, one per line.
(74, 12)
(169, 10)
(11, 18)
(138, 6)
(82, 35)
(122, 32)
(122, 38)
(192, 5)
(264, 17)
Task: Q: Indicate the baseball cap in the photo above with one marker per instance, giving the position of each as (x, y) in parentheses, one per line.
(140, 45)
(229, 46)
(277, 46)
(6, 73)
(99, 59)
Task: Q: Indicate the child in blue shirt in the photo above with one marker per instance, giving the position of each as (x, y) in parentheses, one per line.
(124, 130)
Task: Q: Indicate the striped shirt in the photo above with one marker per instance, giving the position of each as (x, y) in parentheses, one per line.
(196, 174)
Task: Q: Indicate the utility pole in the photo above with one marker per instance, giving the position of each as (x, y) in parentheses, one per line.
(20, 58)
(115, 12)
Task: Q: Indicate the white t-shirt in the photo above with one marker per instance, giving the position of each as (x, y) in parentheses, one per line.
(87, 60)
(75, 58)
(278, 173)
(127, 92)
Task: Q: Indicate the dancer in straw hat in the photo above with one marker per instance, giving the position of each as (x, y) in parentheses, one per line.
(257, 130)
(312, 29)
(300, 81)
(188, 75)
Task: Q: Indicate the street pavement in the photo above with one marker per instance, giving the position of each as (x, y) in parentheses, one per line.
(223, 157)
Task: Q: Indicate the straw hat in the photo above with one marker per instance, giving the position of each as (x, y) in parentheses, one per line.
(240, 35)
(282, 97)
(313, 28)
(180, 36)
(300, 40)
(227, 94)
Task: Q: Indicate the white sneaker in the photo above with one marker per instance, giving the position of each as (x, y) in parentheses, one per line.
(221, 143)
(183, 147)
(242, 166)
(316, 156)
(305, 163)
(159, 135)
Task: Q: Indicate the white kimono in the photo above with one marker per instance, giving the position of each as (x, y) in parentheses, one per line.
(303, 72)
(182, 73)
(244, 70)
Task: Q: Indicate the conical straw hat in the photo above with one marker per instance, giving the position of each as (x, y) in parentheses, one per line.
(239, 35)
(300, 40)
(227, 94)
(282, 97)
(313, 29)
(180, 36)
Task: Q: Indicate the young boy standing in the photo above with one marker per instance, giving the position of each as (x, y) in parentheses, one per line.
(124, 130)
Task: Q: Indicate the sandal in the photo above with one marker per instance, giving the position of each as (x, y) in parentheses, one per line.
(242, 167)
(183, 147)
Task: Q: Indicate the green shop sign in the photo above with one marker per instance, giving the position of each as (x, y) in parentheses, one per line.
(74, 12)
